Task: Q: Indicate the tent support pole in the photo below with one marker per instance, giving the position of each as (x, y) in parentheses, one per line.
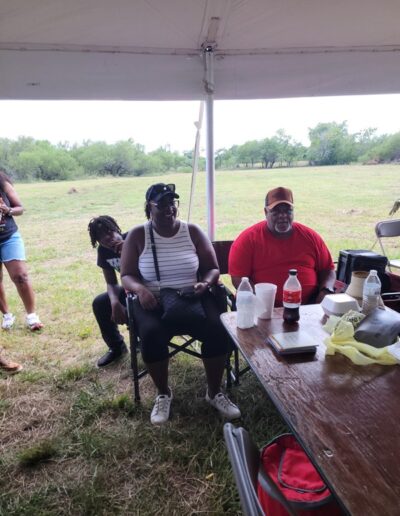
(210, 161)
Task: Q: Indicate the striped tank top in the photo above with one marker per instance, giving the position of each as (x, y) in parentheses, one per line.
(177, 260)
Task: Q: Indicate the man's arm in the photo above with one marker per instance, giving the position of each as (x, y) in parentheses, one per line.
(117, 309)
(326, 280)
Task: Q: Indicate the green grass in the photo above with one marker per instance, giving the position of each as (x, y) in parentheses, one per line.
(72, 441)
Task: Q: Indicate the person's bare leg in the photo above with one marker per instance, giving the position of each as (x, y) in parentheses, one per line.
(214, 368)
(19, 275)
(3, 300)
(159, 374)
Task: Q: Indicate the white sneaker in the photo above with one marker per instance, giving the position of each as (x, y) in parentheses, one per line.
(224, 405)
(33, 322)
(8, 321)
(161, 409)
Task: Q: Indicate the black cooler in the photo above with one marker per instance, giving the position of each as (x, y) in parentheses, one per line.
(360, 260)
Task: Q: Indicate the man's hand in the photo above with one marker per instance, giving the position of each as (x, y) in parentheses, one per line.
(118, 313)
(321, 296)
(147, 300)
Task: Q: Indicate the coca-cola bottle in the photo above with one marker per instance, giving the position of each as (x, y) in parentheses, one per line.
(291, 297)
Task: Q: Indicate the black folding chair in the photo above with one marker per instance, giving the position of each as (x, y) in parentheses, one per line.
(222, 249)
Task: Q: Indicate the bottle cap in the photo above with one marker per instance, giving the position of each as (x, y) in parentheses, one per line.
(293, 272)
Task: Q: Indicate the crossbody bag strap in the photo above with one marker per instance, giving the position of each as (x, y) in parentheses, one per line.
(153, 249)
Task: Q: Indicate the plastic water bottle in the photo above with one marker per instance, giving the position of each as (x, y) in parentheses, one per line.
(245, 304)
(291, 297)
(371, 292)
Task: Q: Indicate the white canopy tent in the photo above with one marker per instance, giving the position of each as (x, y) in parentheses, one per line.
(196, 49)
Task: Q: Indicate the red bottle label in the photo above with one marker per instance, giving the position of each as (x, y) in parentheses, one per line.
(292, 297)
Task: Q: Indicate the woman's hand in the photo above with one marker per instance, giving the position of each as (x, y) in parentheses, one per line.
(201, 287)
(4, 209)
(118, 313)
(147, 299)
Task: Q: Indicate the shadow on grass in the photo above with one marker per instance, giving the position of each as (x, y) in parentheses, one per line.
(107, 458)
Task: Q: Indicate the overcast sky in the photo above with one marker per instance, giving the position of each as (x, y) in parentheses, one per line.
(160, 123)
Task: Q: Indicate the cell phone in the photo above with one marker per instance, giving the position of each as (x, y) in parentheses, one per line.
(187, 291)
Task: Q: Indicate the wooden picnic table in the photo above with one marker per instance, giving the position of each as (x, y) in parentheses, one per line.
(346, 417)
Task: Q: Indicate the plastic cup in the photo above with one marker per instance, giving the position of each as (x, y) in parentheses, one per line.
(265, 295)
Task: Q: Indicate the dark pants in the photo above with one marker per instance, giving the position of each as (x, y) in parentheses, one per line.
(102, 311)
(155, 334)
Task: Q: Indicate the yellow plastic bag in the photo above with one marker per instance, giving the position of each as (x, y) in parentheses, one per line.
(342, 341)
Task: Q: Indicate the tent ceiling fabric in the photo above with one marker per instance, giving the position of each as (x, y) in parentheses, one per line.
(152, 49)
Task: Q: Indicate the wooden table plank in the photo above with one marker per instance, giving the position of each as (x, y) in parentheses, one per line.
(346, 416)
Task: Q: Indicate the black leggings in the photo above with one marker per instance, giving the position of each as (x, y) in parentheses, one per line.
(155, 334)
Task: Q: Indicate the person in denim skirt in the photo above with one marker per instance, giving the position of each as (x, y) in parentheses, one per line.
(12, 255)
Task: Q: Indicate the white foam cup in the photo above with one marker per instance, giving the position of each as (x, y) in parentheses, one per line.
(265, 295)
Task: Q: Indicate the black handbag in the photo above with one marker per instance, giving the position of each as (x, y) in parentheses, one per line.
(177, 308)
(380, 328)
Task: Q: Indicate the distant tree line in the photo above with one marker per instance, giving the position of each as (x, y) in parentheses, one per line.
(30, 160)
(330, 144)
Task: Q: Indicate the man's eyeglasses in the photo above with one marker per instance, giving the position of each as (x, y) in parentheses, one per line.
(281, 210)
(162, 205)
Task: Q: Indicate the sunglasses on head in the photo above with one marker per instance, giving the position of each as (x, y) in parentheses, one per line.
(160, 188)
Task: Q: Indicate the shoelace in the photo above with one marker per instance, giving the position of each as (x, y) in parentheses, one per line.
(222, 400)
(162, 403)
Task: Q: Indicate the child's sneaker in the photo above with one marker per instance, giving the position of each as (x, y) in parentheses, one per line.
(33, 322)
(8, 321)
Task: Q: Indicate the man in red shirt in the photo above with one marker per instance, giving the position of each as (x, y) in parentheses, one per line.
(266, 251)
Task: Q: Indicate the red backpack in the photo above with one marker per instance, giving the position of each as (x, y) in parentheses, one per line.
(286, 463)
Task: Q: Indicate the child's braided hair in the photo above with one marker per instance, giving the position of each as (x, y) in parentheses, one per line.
(99, 226)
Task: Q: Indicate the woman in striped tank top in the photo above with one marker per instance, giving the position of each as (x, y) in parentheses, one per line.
(186, 258)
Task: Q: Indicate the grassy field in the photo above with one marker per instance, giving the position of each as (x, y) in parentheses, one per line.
(71, 439)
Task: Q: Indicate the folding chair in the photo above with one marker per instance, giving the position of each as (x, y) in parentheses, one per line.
(388, 229)
(224, 299)
(245, 460)
(222, 248)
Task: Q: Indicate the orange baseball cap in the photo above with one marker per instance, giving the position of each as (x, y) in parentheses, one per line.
(277, 196)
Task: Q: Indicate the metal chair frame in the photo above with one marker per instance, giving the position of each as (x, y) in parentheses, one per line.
(222, 249)
(388, 229)
(245, 459)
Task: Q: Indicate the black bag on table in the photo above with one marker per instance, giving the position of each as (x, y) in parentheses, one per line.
(380, 328)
